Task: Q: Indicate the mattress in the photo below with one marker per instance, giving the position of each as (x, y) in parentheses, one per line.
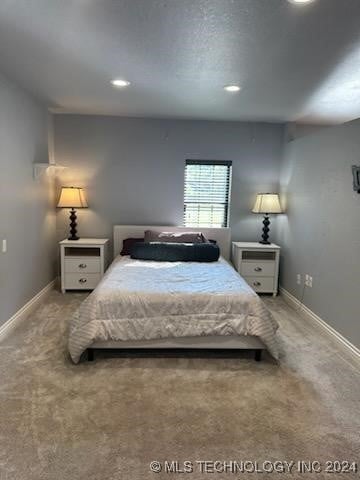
(146, 300)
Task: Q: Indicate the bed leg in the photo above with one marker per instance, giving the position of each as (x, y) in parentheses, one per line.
(258, 354)
(90, 354)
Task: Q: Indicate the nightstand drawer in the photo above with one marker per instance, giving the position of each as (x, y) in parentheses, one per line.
(257, 269)
(81, 281)
(82, 265)
(261, 284)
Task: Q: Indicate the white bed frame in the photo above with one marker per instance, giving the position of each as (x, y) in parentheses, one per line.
(214, 342)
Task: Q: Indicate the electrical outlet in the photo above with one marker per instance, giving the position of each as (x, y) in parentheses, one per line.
(298, 279)
(308, 281)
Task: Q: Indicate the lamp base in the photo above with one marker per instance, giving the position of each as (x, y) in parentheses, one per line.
(266, 230)
(73, 225)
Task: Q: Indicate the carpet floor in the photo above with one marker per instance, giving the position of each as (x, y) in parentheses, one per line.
(109, 419)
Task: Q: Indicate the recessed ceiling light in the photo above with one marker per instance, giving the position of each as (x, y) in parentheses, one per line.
(118, 82)
(300, 2)
(232, 88)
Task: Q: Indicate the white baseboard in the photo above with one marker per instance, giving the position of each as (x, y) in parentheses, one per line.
(26, 310)
(342, 341)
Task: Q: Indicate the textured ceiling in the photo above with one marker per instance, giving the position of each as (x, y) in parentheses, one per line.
(294, 63)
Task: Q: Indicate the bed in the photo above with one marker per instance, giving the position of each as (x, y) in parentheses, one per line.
(171, 305)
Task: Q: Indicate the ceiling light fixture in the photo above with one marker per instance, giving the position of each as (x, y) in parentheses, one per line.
(232, 88)
(300, 2)
(118, 82)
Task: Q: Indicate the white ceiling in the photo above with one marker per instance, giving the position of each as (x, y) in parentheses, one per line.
(294, 63)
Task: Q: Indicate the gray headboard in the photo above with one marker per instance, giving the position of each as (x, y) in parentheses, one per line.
(221, 235)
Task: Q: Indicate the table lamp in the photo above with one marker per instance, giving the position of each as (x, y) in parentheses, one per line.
(267, 203)
(72, 197)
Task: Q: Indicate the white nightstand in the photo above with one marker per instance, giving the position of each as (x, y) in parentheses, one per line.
(258, 264)
(82, 263)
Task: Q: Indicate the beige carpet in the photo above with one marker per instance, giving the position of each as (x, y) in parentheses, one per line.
(109, 419)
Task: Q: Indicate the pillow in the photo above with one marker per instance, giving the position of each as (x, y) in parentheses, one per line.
(128, 243)
(175, 252)
(173, 237)
(208, 240)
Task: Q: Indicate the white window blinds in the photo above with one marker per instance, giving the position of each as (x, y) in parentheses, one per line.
(207, 193)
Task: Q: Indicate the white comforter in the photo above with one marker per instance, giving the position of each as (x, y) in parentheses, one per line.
(139, 300)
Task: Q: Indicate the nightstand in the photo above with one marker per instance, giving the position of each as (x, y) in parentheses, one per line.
(82, 263)
(258, 264)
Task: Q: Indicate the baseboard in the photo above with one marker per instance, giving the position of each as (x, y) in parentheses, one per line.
(342, 341)
(26, 310)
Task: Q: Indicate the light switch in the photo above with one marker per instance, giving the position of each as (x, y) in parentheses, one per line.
(4, 246)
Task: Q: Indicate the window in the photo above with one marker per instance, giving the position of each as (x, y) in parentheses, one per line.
(207, 193)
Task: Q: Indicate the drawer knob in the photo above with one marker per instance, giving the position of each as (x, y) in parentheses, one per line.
(258, 269)
(257, 284)
(82, 265)
(82, 280)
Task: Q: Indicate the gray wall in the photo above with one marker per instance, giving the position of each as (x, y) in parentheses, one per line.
(27, 217)
(320, 234)
(133, 169)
